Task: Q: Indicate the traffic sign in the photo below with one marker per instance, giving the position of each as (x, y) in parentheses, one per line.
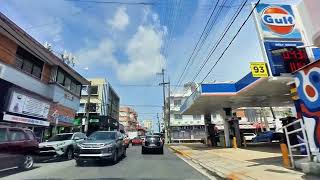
(259, 69)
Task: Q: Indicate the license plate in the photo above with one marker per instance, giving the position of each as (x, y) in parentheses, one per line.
(153, 145)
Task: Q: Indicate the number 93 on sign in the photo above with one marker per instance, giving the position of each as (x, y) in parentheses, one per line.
(259, 69)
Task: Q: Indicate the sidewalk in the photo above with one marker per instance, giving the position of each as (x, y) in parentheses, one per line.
(239, 164)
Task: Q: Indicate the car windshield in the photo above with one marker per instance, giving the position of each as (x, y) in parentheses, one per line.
(102, 136)
(60, 137)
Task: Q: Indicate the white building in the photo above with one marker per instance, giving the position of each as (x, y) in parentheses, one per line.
(185, 127)
(148, 124)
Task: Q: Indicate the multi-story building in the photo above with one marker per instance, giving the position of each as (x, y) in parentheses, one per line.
(185, 127)
(128, 118)
(104, 101)
(37, 89)
(148, 124)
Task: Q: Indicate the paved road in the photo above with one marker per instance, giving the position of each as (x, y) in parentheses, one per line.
(134, 166)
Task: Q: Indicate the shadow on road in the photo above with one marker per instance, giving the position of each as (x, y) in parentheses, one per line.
(13, 171)
(49, 159)
(93, 163)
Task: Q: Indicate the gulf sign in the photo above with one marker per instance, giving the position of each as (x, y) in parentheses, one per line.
(277, 22)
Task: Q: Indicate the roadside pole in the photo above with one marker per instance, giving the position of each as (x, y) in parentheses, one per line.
(87, 109)
(158, 122)
(163, 84)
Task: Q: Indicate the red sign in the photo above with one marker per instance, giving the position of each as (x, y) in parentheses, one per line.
(294, 59)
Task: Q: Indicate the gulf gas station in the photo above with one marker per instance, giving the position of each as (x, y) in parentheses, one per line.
(289, 76)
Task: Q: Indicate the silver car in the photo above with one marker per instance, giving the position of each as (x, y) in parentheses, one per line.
(61, 145)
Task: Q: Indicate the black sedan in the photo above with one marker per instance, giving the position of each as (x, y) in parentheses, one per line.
(101, 145)
(152, 143)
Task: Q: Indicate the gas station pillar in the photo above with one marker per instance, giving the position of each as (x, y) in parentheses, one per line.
(227, 115)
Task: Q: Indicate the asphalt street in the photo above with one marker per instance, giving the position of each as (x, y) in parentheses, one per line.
(134, 166)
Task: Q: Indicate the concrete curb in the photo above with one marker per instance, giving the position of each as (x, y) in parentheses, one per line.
(214, 172)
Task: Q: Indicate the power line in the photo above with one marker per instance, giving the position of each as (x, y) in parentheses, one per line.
(213, 49)
(112, 2)
(194, 49)
(216, 17)
(232, 40)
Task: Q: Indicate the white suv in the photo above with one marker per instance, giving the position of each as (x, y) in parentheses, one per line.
(61, 145)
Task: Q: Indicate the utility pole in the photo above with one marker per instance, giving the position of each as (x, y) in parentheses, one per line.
(158, 122)
(163, 84)
(87, 109)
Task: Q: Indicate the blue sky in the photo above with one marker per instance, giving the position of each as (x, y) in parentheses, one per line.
(129, 44)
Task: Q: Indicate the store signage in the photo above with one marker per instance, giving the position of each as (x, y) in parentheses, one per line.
(285, 57)
(277, 22)
(23, 104)
(24, 120)
(308, 89)
(259, 69)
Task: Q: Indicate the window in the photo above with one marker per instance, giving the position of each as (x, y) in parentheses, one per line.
(67, 83)
(3, 135)
(60, 78)
(30, 135)
(196, 117)
(17, 135)
(36, 71)
(29, 63)
(94, 90)
(27, 66)
(177, 116)
(177, 102)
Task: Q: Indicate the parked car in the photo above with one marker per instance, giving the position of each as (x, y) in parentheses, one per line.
(17, 148)
(152, 143)
(101, 145)
(61, 145)
(268, 136)
(249, 136)
(136, 141)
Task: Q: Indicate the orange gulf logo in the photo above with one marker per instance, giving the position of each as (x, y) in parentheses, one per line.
(278, 20)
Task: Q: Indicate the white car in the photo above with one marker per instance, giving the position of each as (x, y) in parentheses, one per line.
(61, 145)
(249, 136)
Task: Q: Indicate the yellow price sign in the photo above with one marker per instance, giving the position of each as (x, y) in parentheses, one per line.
(259, 69)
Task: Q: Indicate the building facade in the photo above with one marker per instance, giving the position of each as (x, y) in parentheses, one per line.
(128, 118)
(148, 124)
(104, 101)
(185, 127)
(37, 89)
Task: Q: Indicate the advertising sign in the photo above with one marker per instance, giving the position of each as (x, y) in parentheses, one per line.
(277, 22)
(23, 104)
(18, 119)
(285, 57)
(259, 69)
(308, 88)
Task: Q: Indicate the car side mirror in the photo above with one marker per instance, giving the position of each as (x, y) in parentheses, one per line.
(76, 138)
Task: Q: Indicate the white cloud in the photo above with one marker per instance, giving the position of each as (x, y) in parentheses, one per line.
(101, 55)
(120, 19)
(144, 55)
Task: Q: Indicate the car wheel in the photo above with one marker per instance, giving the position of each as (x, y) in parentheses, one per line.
(79, 162)
(69, 154)
(115, 157)
(27, 162)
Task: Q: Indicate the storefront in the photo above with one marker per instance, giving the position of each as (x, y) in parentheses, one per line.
(21, 108)
(61, 120)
